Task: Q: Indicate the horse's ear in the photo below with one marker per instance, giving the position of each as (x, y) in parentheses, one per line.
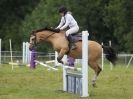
(33, 32)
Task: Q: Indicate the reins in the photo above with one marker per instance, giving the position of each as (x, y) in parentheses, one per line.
(35, 43)
(49, 35)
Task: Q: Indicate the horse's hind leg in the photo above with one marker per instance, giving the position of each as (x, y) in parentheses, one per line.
(97, 70)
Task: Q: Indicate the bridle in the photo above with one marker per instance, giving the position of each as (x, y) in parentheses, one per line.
(34, 41)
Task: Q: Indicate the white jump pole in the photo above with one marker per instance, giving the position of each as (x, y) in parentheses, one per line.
(26, 53)
(0, 51)
(23, 52)
(64, 74)
(51, 61)
(129, 61)
(56, 62)
(45, 65)
(11, 52)
(85, 64)
(72, 68)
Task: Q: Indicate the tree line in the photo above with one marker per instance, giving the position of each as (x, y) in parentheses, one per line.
(104, 19)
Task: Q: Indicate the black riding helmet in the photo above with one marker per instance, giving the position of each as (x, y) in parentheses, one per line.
(63, 9)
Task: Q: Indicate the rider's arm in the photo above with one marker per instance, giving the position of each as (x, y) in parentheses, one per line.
(67, 19)
(61, 23)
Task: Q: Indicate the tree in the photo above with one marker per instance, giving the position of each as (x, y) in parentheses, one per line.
(104, 19)
(12, 14)
(118, 13)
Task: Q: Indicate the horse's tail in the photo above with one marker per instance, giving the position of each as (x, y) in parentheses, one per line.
(110, 54)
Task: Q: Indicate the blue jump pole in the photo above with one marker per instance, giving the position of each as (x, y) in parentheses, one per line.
(33, 58)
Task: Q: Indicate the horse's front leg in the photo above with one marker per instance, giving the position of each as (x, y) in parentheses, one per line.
(61, 54)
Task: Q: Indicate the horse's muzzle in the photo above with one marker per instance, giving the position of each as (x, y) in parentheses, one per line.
(31, 47)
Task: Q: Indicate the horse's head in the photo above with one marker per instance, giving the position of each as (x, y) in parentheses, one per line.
(32, 41)
(40, 35)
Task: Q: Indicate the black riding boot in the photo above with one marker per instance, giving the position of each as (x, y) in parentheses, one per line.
(71, 42)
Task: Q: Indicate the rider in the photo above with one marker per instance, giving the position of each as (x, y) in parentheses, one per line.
(67, 20)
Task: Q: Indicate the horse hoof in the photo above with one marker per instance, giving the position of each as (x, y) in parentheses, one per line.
(61, 62)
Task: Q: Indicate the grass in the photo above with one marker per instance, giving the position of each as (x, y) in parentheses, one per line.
(25, 83)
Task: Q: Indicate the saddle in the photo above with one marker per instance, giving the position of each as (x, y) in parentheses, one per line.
(77, 37)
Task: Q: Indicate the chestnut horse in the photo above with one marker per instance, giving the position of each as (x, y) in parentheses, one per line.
(60, 44)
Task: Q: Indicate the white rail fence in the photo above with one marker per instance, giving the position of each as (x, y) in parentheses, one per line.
(5, 57)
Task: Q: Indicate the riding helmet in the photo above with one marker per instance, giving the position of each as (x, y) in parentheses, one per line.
(63, 9)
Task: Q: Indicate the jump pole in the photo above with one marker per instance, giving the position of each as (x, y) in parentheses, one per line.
(26, 53)
(56, 62)
(85, 64)
(77, 83)
(129, 61)
(33, 58)
(34, 61)
(24, 48)
(11, 52)
(45, 65)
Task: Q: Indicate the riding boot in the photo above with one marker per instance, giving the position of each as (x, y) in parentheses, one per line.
(71, 42)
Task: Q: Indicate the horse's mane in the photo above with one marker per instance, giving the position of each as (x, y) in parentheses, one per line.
(45, 29)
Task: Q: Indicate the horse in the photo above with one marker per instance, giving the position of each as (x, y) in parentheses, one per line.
(60, 44)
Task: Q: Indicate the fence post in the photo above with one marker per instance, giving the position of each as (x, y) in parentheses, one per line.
(85, 64)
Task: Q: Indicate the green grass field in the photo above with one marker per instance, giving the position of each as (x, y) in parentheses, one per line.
(25, 83)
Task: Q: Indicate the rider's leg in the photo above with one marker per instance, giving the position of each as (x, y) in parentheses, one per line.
(69, 37)
(71, 41)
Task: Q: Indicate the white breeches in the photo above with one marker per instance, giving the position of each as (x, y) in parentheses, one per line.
(72, 30)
